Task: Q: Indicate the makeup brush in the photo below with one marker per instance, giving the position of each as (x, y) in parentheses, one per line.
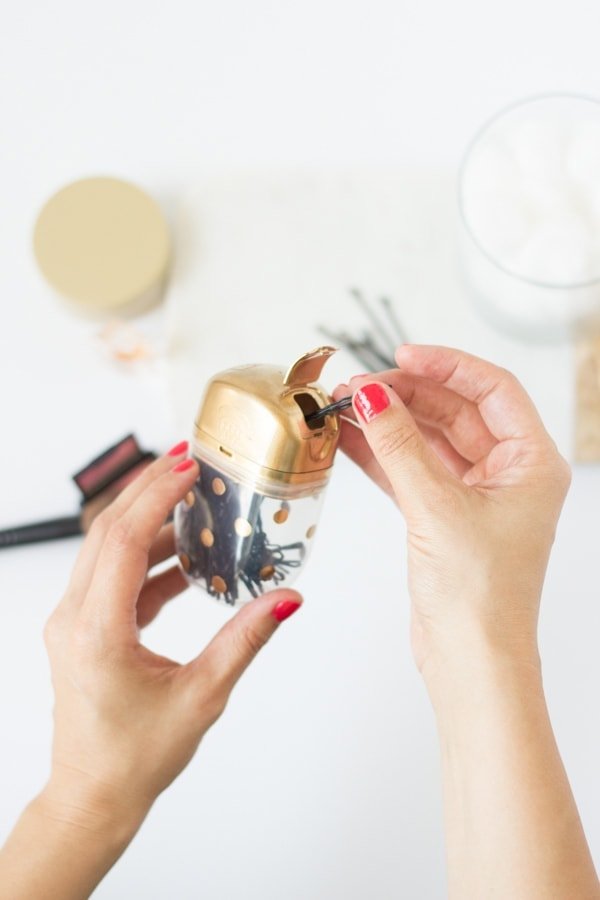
(99, 482)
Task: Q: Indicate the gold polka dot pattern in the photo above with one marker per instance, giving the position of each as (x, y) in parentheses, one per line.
(218, 485)
(218, 584)
(207, 538)
(281, 515)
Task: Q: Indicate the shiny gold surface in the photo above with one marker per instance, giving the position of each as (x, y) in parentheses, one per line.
(254, 421)
(309, 367)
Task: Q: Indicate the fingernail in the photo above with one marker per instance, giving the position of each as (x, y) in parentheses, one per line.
(371, 400)
(285, 609)
(183, 466)
(362, 374)
(178, 449)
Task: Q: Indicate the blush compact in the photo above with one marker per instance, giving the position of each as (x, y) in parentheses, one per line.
(265, 440)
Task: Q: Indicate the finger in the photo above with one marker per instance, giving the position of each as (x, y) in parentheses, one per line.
(123, 560)
(459, 420)
(507, 462)
(157, 591)
(415, 473)
(163, 547)
(88, 554)
(505, 406)
(233, 648)
(445, 452)
(353, 443)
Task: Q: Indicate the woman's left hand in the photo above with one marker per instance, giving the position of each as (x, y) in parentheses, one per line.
(127, 720)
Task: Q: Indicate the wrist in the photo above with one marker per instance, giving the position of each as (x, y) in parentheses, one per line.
(80, 804)
(471, 658)
(67, 839)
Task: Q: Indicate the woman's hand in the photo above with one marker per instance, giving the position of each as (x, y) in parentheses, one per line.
(127, 721)
(459, 445)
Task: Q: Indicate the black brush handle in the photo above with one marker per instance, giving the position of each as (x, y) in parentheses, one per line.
(50, 530)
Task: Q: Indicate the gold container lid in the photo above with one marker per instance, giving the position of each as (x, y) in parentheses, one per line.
(252, 418)
(104, 244)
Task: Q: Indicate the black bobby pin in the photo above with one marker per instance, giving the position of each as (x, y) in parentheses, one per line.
(375, 321)
(338, 406)
(373, 349)
(400, 333)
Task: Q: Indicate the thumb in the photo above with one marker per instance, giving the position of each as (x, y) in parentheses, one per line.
(413, 470)
(234, 647)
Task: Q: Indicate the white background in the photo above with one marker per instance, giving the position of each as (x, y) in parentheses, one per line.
(322, 779)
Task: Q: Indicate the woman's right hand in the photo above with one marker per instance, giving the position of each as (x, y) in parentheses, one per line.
(459, 445)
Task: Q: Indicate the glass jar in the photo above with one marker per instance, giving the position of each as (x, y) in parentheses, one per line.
(529, 202)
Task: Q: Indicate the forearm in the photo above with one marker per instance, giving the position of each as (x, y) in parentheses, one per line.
(512, 827)
(64, 843)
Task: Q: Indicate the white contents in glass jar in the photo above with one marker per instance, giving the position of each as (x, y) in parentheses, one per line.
(531, 199)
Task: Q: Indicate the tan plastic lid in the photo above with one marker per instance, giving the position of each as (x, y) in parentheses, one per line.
(104, 244)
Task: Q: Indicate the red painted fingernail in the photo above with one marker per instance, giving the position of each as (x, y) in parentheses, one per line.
(371, 400)
(178, 449)
(183, 466)
(285, 609)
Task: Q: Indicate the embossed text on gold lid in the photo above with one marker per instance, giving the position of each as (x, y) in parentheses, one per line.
(103, 243)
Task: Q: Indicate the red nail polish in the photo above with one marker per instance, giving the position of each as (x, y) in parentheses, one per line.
(183, 466)
(178, 449)
(371, 400)
(285, 609)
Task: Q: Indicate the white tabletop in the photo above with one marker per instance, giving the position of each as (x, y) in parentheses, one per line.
(322, 779)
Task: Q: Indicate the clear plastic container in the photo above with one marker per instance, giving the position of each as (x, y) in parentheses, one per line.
(235, 541)
(249, 522)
